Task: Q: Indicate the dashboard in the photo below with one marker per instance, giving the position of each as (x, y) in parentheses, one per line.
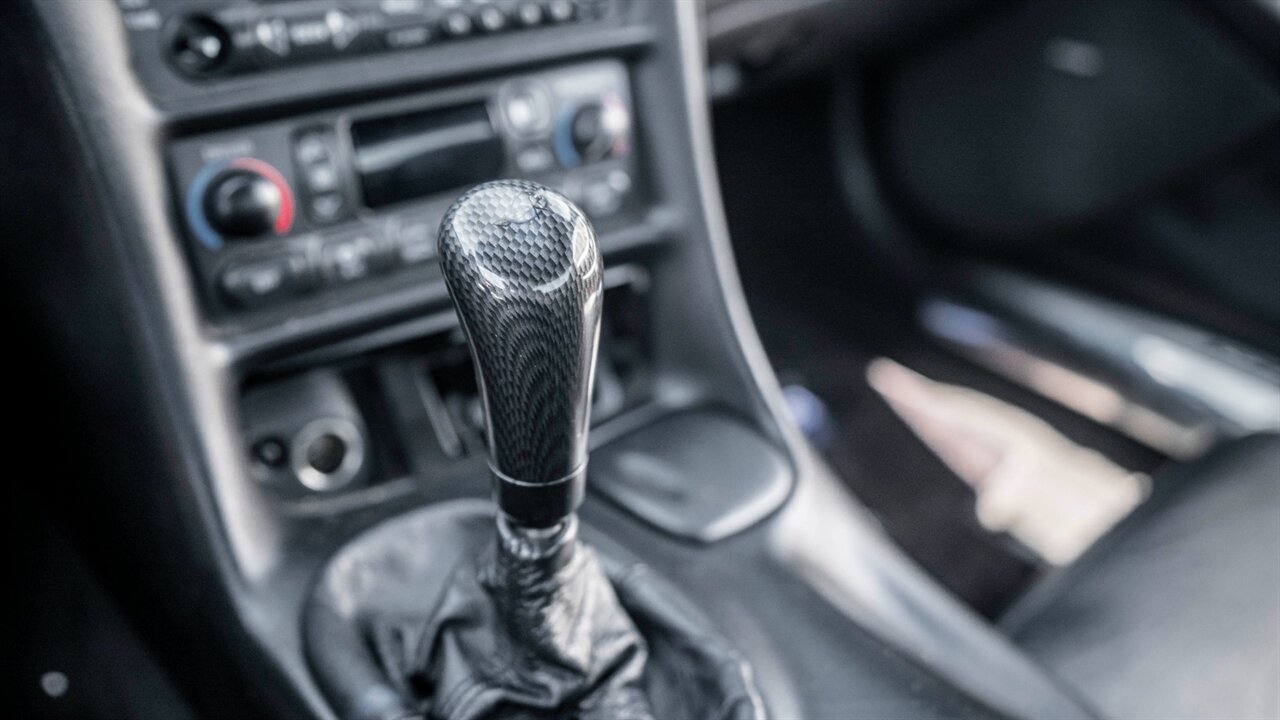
(280, 218)
(299, 221)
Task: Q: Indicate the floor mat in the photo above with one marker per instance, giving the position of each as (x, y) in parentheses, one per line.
(923, 503)
(1054, 496)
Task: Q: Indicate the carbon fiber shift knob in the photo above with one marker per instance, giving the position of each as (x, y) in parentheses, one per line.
(524, 272)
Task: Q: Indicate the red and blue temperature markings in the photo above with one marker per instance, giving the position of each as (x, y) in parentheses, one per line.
(200, 225)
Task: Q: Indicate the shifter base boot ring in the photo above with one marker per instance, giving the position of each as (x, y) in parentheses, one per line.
(389, 605)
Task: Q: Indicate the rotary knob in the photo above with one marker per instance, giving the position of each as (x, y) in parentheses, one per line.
(243, 203)
(238, 199)
(593, 131)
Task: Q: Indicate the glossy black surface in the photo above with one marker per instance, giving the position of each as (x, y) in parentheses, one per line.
(524, 271)
(242, 203)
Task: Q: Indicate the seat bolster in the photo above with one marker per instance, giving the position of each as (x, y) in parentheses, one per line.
(1176, 613)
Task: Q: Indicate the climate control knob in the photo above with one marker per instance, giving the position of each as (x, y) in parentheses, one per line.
(590, 132)
(243, 203)
(239, 198)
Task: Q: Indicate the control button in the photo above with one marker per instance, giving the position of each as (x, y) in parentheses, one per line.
(310, 33)
(343, 29)
(592, 131)
(492, 19)
(407, 36)
(456, 24)
(529, 14)
(273, 36)
(599, 194)
(353, 258)
(416, 253)
(252, 283)
(321, 178)
(311, 148)
(326, 208)
(200, 46)
(243, 203)
(619, 180)
(393, 8)
(600, 198)
(347, 260)
(560, 10)
(331, 33)
(414, 240)
(526, 108)
(534, 159)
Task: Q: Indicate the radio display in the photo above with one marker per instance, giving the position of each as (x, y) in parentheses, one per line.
(414, 155)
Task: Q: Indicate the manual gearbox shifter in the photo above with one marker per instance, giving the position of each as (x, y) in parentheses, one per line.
(430, 614)
(522, 266)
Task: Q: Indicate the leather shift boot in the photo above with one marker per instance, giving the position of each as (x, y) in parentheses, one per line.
(531, 630)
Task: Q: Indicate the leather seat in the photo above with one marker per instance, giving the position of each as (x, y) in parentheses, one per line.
(1176, 613)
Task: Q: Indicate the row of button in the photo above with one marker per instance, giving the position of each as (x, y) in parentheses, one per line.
(353, 256)
(493, 18)
(314, 152)
(328, 262)
(205, 45)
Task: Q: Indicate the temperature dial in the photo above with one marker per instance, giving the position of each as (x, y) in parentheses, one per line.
(238, 199)
(243, 203)
(589, 132)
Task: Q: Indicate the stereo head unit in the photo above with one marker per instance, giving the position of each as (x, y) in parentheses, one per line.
(294, 209)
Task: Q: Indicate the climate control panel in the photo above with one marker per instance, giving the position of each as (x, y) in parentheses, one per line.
(304, 210)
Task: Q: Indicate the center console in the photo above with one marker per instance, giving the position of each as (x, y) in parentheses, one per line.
(268, 178)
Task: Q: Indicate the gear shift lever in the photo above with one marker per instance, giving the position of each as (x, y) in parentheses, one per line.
(524, 272)
(531, 626)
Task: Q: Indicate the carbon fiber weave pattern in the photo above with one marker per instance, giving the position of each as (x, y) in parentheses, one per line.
(524, 271)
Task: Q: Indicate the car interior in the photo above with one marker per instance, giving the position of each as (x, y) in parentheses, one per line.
(643, 359)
